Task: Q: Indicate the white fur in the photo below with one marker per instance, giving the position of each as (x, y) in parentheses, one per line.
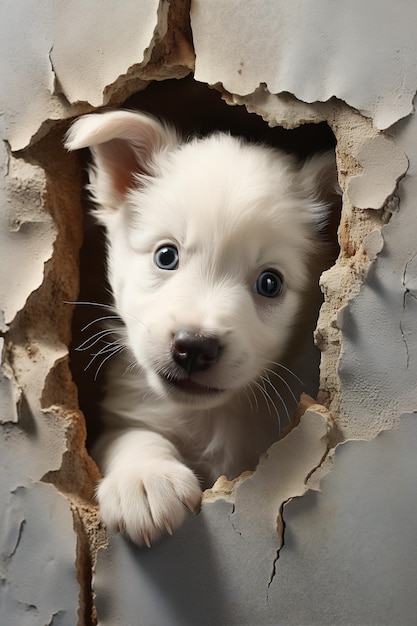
(233, 210)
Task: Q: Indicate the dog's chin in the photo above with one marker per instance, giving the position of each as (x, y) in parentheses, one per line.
(185, 390)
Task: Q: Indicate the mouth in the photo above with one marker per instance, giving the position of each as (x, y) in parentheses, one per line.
(189, 387)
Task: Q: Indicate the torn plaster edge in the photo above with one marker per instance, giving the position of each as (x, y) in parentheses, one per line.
(52, 109)
(26, 225)
(272, 480)
(170, 55)
(96, 86)
(10, 391)
(225, 489)
(90, 539)
(312, 479)
(383, 165)
(28, 181)
(88, 528)
(283, 473)
(287, 470)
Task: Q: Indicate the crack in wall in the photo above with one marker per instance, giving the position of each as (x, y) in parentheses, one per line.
(281, 534)
(280, 519)
(406, 295)
(230, 517)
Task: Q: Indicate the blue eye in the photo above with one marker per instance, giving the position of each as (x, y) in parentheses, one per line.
(269, 284)
(167, 258)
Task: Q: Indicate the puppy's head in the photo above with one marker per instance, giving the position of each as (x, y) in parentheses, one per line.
(209, 245)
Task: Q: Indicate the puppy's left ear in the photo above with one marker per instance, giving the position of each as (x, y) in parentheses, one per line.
(320, 182)
(124, 145)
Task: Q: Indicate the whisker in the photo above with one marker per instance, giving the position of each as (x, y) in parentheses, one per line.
(105, 306)
(86, 302)
(281, 399)
(270, 397)
(265, 395)
(91, 341)
(245, 390)
(117, 349)
(282, 379)
(130, 368)
(287, 369)
(112, 347)
(255, 398)
(100, 319)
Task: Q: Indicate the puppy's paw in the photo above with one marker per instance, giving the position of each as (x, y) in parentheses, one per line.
(148, 500)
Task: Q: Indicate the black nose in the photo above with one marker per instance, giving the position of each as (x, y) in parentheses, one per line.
(195, 351)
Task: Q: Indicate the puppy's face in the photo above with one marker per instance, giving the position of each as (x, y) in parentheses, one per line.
(209, 245)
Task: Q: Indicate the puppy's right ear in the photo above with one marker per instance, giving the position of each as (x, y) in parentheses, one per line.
(124, 145)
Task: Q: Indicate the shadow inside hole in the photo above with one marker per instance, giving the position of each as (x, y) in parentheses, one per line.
(193, 108)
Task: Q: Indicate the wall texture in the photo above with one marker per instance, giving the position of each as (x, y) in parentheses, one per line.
(324, 532)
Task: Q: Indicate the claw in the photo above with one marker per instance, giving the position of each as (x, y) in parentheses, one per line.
(168, 527)
(146, 540)
(122, 528)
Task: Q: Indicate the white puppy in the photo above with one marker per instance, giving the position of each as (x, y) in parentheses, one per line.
(210, 242)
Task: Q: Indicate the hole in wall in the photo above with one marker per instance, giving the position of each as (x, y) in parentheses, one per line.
(193, 108)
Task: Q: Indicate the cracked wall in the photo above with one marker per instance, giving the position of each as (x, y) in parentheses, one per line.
(324, 531)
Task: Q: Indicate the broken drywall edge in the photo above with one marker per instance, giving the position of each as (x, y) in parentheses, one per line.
(224, 489)
(65, 78)
(10, 392)
(282, 473)
(283, 109)
(383, 165)
(80, 81)
(382, 91)
(381, 319)
(26, 41)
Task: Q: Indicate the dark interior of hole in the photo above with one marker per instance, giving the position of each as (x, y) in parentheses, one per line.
(193, 108)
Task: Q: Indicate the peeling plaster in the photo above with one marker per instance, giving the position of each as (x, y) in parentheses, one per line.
(134, 26)
(27, 233)
(309, 51)
(383, 165)
(10, 392)
(383, 317)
